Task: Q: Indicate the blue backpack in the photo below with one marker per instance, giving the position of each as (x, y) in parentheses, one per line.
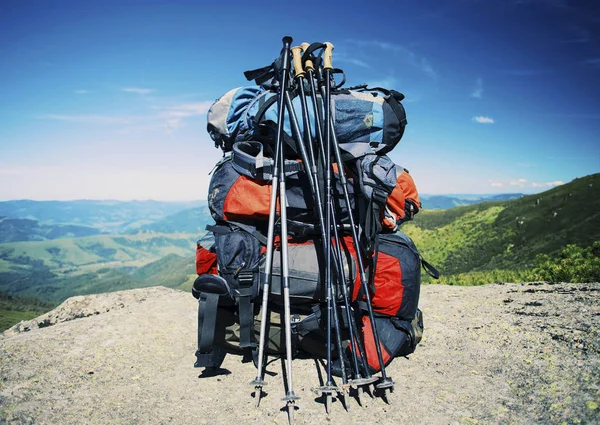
(366, 121)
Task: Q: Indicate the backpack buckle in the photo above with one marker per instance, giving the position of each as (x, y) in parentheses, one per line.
(245, 279)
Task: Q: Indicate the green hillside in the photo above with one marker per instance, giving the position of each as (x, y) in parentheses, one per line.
(64, 255)
(21, 230)
(172, 271)
(193, 220)
(507, 235)
(14, 309)
(57, 269)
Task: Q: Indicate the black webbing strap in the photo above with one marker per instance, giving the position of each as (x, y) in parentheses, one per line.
(263, 107)
(394, 98)
(207, 321)
(372, 219)
(429, 269)
(309, 324)
(225, 229)
(310, 50)
(246, 309)
(266, 73)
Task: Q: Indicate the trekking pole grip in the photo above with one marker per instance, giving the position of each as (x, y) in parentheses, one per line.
(297, 58)
(327, 63)
(308, 65)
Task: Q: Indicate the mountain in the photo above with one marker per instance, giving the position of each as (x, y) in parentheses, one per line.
(443, 202)
(22, 230)
(193, 220)
(507, 235)
(106, 216)
(53, 269)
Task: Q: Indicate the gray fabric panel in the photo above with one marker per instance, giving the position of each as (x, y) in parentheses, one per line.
(219, 111)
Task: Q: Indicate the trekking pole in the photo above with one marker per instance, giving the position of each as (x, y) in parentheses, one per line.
(311, 166)
(338, 262)
(328, 388)
(358, 381)
(290, 397)
(386, 382)
(278, 178)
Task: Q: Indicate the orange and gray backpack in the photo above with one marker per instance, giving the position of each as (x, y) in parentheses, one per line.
(368, 124)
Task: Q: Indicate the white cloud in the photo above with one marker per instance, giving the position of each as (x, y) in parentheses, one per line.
(554, 183)
(174, 114)
(81, 91)
(593, 62)
(477, 92)
(547, 184)
(137, 90)
(483, 120)
(417, 61)
(518, 182)
(353, 61)
(387, 82)
(89, 119)
(524, 183)
(169, 117)
(528, 72)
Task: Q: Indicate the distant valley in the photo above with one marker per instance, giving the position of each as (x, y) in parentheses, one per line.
(52, 250)
(443, 202)
(106, 216)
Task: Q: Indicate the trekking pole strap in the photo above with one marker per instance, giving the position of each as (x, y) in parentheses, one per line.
(308, 65)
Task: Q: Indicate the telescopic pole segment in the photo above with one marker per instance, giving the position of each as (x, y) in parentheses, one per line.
(386, 382)
(328, 217)
(290, 397)
(329, 129)
(337, 248)
(359, 381)
(310, 164)
(259, 381)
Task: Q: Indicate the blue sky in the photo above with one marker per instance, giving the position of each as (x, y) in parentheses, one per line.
(104, 99)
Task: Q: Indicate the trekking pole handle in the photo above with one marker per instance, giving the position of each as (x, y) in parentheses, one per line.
(297, 58)
(308, 65)
(327, 64)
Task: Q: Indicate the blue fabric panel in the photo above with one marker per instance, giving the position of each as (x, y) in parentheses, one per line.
(242, 98)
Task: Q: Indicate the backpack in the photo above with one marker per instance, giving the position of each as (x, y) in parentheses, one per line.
(394, 298)
(367, 124)
(366, 121)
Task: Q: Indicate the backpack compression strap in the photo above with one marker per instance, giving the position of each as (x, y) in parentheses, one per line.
(242, 293)
(207, 289)
(249, 160)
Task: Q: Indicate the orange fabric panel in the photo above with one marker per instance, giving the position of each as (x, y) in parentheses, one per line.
(206, 261)
(389, 290)
(388, 285)
(248, 199)
(370, 349)
(406, 182)
(396, 202)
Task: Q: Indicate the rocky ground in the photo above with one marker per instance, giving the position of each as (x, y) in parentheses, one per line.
(511, 353)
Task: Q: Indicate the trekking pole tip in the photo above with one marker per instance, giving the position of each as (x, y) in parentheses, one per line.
(327, 60)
